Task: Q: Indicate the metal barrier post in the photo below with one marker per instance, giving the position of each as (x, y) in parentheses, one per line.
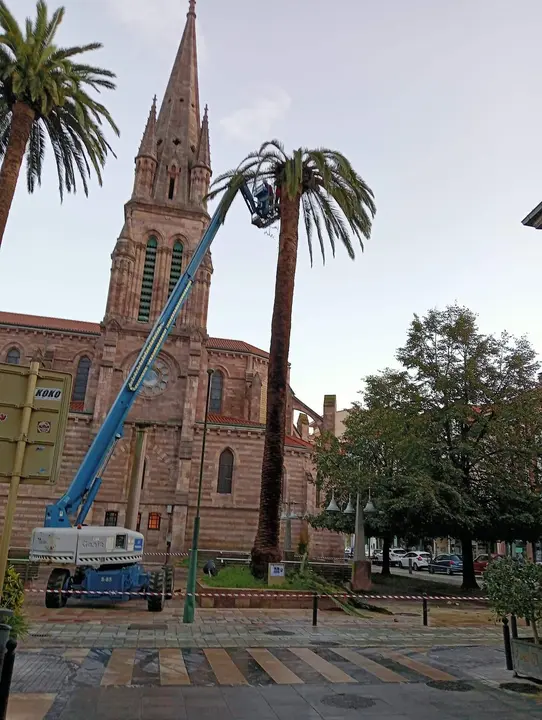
(507, 644)
(424, 609)
(5, 677)
(5, 630)
(315, 609)
(514, 626)
(410, 565)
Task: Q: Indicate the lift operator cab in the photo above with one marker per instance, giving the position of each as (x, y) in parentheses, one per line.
(267, 205)
(107, 560)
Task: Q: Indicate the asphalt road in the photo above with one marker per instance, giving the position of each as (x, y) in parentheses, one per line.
(454, 580)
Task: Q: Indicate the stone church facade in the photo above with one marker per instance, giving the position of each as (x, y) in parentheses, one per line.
(164, 221)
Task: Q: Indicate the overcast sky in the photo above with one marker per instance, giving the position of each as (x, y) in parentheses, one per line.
(437, 105)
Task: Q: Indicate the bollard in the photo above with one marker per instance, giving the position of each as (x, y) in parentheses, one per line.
(514, 626)
(315, 610)
(5, 677)
(410, 565)
(5, 630)
(424, 607)
(507, 644)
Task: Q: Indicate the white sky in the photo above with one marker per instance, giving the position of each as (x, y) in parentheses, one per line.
(436, 104)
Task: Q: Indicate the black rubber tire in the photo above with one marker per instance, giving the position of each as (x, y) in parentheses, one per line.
(415, 567)
(431, 570)
(169, 581)
(450, 572)
(157, 586)
(57, 581)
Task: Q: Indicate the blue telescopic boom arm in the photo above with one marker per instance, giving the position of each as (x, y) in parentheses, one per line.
(85, 485)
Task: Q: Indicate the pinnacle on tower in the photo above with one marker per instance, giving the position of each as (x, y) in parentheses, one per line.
(148, 142)
(204, 145)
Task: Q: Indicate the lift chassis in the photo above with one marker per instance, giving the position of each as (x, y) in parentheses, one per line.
(107, 561)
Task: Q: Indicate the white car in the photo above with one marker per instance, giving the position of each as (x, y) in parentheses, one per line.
(420, 560)
(395, 557)
(396, 554)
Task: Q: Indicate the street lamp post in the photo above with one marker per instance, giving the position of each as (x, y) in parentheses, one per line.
(190, 600)
(361, 567)
(287, 515)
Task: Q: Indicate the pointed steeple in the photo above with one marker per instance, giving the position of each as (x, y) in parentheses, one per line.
(204, 145)
(148, 142)
(178, 125)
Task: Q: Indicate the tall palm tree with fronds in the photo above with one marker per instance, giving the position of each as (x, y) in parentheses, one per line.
(338, 207)
(44, 92)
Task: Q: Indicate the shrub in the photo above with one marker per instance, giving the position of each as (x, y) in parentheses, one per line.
(515, 588)
(13, 599)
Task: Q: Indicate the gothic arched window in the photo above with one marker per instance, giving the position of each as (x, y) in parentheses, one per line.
(217, 387)
(13, 356)
(225, 473)
(148, 281)
(176, 266)
(81, 380)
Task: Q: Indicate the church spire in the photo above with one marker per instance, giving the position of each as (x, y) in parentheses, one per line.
(178, 125)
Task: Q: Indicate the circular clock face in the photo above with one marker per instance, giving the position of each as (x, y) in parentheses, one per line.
(156, 381)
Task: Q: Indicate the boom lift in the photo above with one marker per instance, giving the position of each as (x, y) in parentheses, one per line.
(108, 559)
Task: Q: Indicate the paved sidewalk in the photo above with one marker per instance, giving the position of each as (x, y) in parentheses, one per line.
(133, 626)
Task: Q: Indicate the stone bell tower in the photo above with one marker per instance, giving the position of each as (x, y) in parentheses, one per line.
(167, 213)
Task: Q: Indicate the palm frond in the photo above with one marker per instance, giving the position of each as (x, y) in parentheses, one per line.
(337, 205)
(47, 78)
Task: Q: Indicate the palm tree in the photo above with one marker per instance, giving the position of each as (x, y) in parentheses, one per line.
(43, 92)
(337, 205)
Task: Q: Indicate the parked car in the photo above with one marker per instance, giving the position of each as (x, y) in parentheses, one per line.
(481, 562)
(449, 564)
(395, 556)
(420, 560)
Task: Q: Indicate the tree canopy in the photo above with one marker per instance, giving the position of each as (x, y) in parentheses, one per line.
(453, 440)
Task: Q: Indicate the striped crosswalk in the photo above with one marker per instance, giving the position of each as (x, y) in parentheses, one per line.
(43, 676)
(218, 666)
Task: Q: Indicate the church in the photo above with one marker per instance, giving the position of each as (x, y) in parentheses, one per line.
(164, 220)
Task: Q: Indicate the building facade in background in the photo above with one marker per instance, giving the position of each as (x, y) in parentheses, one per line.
(164, 220)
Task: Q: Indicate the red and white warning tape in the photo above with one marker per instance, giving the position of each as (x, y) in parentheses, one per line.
(264, 593)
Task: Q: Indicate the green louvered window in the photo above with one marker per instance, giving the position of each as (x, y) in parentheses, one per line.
(176, 266)
(148, 281)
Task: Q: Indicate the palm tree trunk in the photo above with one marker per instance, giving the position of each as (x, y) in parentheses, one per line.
(21, 127)
(266, 544)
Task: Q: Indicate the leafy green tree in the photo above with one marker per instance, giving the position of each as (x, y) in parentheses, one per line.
(45, 93)
(383, 450)
(478, 397)
(515, 588)
(321, 188)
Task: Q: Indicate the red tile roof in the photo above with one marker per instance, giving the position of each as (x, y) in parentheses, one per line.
(215, 419)
(235, 346)
(89, 328)
(47, 323)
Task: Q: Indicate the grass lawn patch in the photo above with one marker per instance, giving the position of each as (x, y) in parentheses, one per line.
(239, 576)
